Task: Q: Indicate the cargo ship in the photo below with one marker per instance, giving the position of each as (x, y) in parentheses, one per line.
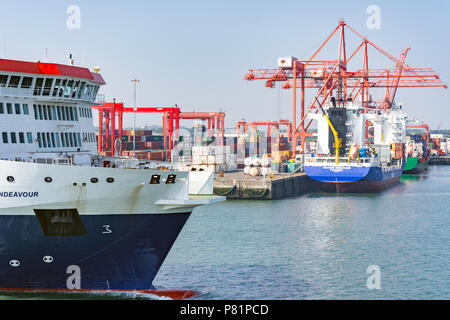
(418, 154)
(357, 151)
(69, 222)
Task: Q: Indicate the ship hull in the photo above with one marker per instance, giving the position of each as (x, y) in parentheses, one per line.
(115, 252)
(352, 179)
(75, 228)
(414, 166)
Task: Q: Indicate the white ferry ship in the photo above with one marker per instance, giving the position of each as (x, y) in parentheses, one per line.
(66, 221)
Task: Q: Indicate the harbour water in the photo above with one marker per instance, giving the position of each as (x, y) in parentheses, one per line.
(317, 246)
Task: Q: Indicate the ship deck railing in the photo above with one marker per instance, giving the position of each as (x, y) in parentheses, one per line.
(342, 160)
(62, 161)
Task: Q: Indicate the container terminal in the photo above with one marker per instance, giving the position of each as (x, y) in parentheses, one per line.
(345, 138)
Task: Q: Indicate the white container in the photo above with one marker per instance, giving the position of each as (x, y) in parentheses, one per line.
(220, 159)
(247, 169)
(211, 159)
(196, 159)
(196, 151)
(264, 171)
(254, 171)
(256, 162)
(248, 161)
(286, 62)
(231, 158)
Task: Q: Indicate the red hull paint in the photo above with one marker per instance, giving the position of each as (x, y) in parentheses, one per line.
(174, 294)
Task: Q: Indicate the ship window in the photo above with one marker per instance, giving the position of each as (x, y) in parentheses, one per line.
(40, 111)
(60, 222)
(57, 140)
(10, 178)
(110, 180)
(75, 88)
(70, 139)
(49, 110)
(21, 137)
(35, 111)
(29, 137)
(3, 80)
(80, 91)
(71, 113)
(38, 86)
(79, 139)
(5, 137)
(63, 112)
(17, 107)
(14, 82)
(56, 87)
(49, 141)
(75, 113)
(47, 87)
(67, 139)
(2, 109)
(44, 108)
(155, 179)
(53, 139)
(26, 82)
(61, 88)
(25, 109)
(94, 180)
(13, 137)
(171, 179)
(48, 179)
(54, 112)
(39, 139)
(9, 108)
(58, 110)
(68, 88)
(44, 140)
(63, 141)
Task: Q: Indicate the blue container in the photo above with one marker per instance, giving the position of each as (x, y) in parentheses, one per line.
(362, 152)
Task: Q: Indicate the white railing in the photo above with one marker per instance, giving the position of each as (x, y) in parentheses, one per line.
(127, 163)
(62, 161)
(342, 160)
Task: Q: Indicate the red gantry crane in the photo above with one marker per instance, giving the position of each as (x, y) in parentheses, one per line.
(171, 120)
(242, 127)
(334, 78)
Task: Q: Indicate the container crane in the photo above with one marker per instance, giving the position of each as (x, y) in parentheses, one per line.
(333, 78)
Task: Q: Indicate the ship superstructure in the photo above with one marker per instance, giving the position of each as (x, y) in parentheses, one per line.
(68, 222)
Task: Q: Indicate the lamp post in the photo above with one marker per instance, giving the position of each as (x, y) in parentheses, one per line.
(135, 81)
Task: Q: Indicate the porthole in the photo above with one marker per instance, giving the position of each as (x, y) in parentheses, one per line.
(48, 179)
(110, 180)
(94, 180)
(10, 179)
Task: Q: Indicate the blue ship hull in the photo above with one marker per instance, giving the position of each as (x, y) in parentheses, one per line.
(355, 179)
(116, 252)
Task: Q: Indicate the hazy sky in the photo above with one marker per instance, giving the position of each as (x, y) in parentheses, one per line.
(196, 53)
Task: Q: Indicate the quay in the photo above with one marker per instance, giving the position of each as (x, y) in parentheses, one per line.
(440, 160)
(237, 185)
